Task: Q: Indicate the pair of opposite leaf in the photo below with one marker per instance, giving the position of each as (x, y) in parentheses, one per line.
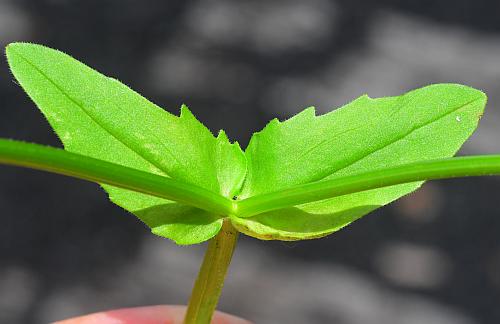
(100, 117)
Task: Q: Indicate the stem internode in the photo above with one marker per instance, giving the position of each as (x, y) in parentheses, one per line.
(208, 285)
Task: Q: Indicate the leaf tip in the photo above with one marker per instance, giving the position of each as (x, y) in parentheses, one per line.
(12, 46)
(471, 95)
(482, 97)
(9, 51)
(20, 46)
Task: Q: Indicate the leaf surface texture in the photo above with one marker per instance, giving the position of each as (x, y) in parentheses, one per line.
(100, 117)
(366, 134)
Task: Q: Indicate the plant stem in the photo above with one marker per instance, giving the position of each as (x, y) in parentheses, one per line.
(83, 167)
(412, 172)
(208, 285)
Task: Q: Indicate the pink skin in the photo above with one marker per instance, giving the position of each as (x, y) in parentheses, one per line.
(147, 315)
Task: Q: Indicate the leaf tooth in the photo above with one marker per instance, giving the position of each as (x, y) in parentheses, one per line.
(236, 143)
(308, 113)
(222, 136)
(186, 113)
(272, 123)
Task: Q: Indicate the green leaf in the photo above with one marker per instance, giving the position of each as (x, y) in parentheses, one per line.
(291, 164)
(100, 117)
(183, 224)
(366, 134)
(231, 165)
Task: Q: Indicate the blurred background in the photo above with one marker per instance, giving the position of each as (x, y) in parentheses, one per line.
(431, 257)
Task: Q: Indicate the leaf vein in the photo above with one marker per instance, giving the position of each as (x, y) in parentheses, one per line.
(110, 132)
(413, 129)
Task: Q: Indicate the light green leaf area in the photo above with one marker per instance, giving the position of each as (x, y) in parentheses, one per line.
(364, 135)
(100, 117)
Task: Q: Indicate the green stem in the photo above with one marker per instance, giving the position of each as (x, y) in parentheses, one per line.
(83, 167)
(208, 285)
(420, 171)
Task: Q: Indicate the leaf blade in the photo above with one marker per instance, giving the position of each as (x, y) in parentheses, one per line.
(102, 118)
(360, 129)
(364, 134)
(78, 100)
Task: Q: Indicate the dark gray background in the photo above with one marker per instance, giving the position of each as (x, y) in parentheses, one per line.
(432, 257)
